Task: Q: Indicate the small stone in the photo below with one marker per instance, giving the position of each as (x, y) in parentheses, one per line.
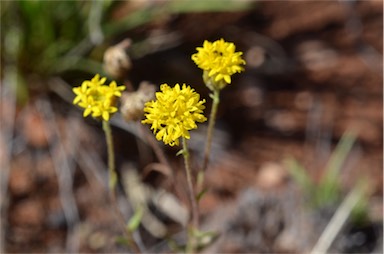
(271, 175)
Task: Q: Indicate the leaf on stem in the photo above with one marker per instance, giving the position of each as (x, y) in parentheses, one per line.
(134, 222)
(201, 194)
(181, 152)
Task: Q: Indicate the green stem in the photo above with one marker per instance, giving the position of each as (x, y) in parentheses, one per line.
(211, 126)
(112, 185)
(192, 196)
(111, 155)
(190, 184)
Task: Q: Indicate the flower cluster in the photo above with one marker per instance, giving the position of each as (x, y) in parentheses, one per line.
(174, 113)
(219, 61)
(97, 99)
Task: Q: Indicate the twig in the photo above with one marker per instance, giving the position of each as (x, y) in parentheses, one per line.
(64, 167)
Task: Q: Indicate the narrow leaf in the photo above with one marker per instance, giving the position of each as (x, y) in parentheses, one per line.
(134, 222)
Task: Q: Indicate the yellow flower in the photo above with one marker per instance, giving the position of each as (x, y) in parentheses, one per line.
(96, 98)
(174, 113)
(219, 62)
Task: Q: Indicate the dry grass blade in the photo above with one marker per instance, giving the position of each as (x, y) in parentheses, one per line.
(7, 117)
(334, 226)
(64, 167)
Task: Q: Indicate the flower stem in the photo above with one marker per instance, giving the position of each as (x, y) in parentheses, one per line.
(112, 185)
(211, 126)
(192, 196)
(190, 184)
(111, 156)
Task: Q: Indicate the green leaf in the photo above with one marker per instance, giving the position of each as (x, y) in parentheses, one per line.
(329, 186)
(300, 175)
(122, 240)
(134, 222)
(204, 238)
(174, 246)
(131, 21)
(339, 155)
(359, 213)
(201, 194)
(181, 152)
(209, 6)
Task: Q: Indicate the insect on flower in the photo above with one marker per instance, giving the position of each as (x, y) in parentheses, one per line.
(219, 61)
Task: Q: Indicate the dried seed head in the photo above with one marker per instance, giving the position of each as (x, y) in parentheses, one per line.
(116, 60)
(132, 103)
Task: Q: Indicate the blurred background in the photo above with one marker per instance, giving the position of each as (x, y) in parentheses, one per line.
(298, 140)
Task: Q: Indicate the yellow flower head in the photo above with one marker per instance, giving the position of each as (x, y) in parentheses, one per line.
(219, 61)
(174, 113)
(96, 98)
